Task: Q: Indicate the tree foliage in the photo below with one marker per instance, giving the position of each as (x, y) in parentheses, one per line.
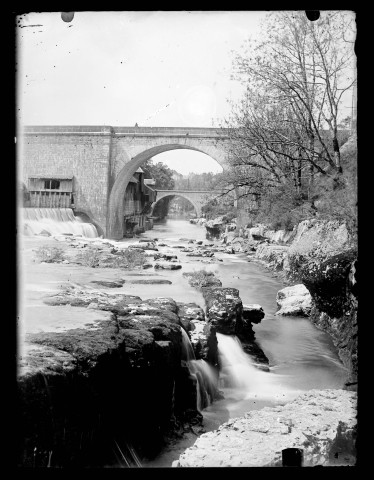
(285, 133)
(161, 173)
(197, 181)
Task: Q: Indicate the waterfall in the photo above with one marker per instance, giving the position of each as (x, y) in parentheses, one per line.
(55, 221)
(206, 379)
(238, 372)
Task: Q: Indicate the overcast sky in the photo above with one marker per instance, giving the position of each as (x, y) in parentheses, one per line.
(153, 68)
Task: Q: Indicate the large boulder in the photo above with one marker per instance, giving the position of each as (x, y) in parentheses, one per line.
(295, 300)
(253, 313)
(318, 238)
(322, 423)
(334, 289)
(275, 256)
(71, 380)
(224, 311)
(223, 308)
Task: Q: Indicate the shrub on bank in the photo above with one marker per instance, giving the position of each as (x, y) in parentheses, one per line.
(131, 258)
(202, 278)
(89, 257)
(49, 254)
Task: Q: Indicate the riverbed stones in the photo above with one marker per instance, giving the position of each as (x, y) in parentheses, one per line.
(150, 281)
(165, 256)
(320, 422)
(295, 301)
(167, 266)
(144, 246)
(107, 284)
(79, 296)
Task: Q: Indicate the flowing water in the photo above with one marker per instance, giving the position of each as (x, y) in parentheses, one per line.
(206, 378)
(55, 221)
(301, 356)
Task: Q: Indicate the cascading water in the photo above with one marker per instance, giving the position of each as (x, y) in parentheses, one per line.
(238, 372)
(206, 379)
(55, 221)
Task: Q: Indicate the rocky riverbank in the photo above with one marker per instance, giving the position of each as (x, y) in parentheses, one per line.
(321, 256)
(102, 374)
(322, 423)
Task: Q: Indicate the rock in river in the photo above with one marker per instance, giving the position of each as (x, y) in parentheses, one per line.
(295, 300)
(167, 266)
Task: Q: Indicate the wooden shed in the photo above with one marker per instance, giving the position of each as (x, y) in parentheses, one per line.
(52, 191)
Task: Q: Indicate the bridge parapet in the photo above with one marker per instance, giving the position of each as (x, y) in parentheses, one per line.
(124, 131)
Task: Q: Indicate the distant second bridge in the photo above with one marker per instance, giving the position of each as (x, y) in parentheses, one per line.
(198, 198)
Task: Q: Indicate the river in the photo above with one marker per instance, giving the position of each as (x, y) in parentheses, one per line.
(301, 356)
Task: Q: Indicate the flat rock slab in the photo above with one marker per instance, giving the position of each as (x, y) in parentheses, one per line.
(164, 256)
(320, 422)
(150, 281)
(107, 284)
(167, 266)
(142, 275)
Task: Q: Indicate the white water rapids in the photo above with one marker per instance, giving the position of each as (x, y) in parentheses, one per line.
(238, 372)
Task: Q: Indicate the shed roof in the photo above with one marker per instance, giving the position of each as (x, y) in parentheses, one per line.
(133, 180)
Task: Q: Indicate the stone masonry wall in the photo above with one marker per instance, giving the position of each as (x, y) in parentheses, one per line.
(84, 156)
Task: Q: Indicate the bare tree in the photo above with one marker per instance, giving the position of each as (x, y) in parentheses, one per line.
(286, 126)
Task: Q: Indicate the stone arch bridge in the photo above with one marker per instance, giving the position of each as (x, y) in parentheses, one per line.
(102, 160)
(198, 198)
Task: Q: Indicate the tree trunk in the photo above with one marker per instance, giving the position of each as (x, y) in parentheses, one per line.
(337, 154)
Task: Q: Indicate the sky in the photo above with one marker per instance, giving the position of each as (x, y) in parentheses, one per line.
(155, 68)
(164, 69)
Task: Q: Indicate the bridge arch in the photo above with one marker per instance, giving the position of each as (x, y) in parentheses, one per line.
(196, 205)
(115, 204)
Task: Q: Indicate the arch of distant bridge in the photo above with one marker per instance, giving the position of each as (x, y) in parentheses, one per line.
(197, 198)
(139, 145)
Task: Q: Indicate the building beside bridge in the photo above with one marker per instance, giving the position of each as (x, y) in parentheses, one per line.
(91, 168)
(137, 203)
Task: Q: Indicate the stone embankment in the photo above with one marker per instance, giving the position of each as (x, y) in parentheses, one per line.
(322, 423)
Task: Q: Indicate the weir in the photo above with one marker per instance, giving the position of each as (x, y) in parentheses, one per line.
(55, 221)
